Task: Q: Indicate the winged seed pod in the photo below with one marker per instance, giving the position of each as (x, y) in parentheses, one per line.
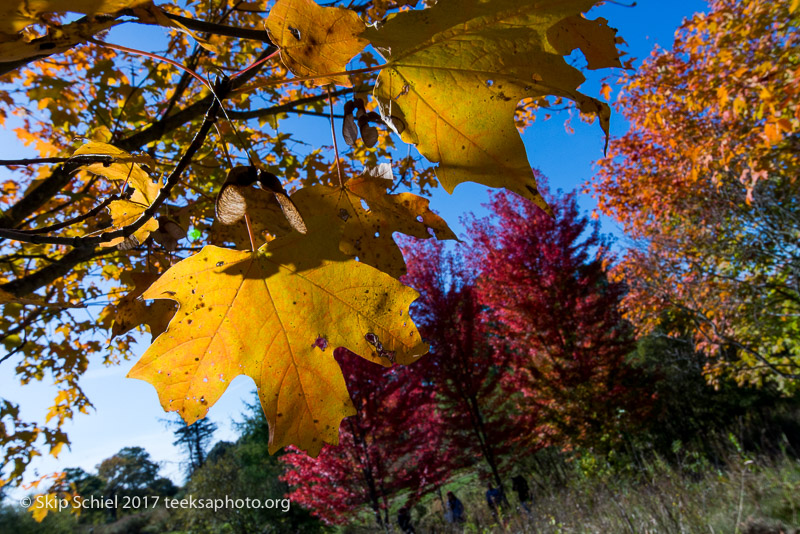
(270, 182)
(350, 130)
(368, 133)
(231, 203)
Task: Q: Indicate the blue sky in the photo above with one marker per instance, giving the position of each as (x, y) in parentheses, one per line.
(127, 412)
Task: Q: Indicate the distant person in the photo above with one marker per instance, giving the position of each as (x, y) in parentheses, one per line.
(520, 487)
(404, 520)
(495, 498)
(455, 509)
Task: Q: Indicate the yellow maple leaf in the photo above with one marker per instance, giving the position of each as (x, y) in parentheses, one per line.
(125, 212)
(276, 315)
(316, 40)
(457, 70)
(126, 168)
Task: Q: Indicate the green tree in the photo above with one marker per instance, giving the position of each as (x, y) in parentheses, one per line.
(240, 470)
(688, 411)
(131, 473)
(194, 439)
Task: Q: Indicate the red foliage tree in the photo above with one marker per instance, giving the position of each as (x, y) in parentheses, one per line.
(391, 445)
(462, 366)
(555, 313)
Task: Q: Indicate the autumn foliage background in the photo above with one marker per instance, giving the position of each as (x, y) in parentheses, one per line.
(646, 382)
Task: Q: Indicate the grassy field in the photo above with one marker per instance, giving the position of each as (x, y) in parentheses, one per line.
(748, 496)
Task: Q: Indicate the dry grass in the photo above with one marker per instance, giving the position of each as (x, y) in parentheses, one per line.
(747, 497)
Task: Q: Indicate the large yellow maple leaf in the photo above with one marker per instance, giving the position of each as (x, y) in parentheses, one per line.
(457, 71)
(276, 315)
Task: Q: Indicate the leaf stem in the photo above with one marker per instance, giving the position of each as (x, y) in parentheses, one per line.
(256, 64)
(335, 144)
(152, 56)
(250, 232)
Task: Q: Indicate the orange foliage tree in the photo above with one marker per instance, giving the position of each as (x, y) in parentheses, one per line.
(706, 182)
(177, 178)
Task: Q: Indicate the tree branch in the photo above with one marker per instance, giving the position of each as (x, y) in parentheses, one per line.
(47, 275)
(69, 222)
(222, 29)
(286, 108)
(32, 161)
(221, 90)
(210, 27)
(60, 177)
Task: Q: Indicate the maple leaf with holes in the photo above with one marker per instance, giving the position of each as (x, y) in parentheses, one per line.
(276, 315)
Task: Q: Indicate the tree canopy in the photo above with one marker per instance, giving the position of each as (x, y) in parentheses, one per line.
(175, 177)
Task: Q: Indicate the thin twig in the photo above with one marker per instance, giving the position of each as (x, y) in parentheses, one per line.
(250, 232)
(69, 222)
(183, 83)
(152, 56)
(256, 64)
(159, 128)
(271, 83)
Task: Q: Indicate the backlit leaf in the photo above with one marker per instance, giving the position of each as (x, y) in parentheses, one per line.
(15, 15)
(126, 169)
(276, 315)
(456, 72)
(316, 40)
